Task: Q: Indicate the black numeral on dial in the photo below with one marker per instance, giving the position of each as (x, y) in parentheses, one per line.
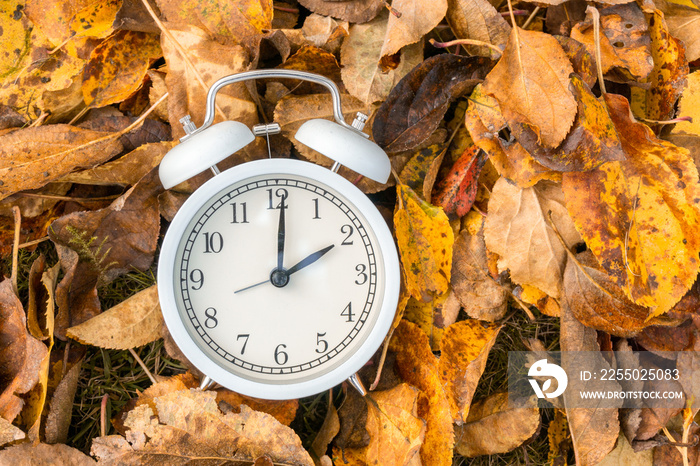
(213, 242)
(361, 274)
(210, 321)
(348, 230)
(281, 194)
(240, 212)
(245, 337)
(322, 345)
(347, 312)
(197, 278)
(281, 357)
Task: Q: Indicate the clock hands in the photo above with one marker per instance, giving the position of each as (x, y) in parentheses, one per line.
(280, 276)
(280, 237)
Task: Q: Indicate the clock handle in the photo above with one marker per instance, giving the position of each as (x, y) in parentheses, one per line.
(355, 381)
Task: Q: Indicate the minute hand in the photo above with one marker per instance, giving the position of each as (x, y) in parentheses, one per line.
(308, 260)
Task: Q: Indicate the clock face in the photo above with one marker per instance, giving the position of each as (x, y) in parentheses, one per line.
(279, 279)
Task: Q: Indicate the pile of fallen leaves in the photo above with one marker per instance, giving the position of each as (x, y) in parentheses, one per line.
(545, 162)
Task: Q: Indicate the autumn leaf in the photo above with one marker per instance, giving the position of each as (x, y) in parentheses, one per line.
(417, 104)
(415, 19)
(639, 217)
(394, 428)
(361, 68)
(21, 354)
(33, 157)
(682, 24)
(425, 242)
(117, 67)
(188, 424)
(478, 20)
(132, 323)
(42, 453)
(420, 171)
(531, 84)
(419, 367)
(490, 415)
(517, 229)
(456, 192)
(464, 350)
(355, 11)
(481, 296)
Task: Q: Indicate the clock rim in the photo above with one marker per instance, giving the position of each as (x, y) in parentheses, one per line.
(202, 361)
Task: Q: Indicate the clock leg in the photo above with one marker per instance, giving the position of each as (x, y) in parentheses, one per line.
(357, 383)
(206, 383)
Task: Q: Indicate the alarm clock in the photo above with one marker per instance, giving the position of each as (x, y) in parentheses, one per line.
(277, 278)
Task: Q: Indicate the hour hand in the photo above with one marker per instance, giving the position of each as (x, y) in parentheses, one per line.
(310, 259)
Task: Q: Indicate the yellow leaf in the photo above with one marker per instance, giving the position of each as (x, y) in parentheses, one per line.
(131, 323)
(425, 241)
(465, 348)
(418, 366)
(96, 19)
(689, 106)
(117, 67)
(641, 217)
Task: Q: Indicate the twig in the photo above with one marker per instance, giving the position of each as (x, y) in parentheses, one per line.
(531, 17)
(382, 358)
(103, 415)
(392, 10)
(32, 243)
(667, 122)
(442, 45)
(596, 36)
(15, 246)
(143, 365)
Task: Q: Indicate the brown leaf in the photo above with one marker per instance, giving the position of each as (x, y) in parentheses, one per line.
(354, 11)
(592, 141)
(188, 425)
(117, 67)
(312, 60)
(328, 430)
(531, 84)
(282, 410)
(481, 296)
(464, 350)
(682, 24)
(20, 353)
(478, 20)
(60, 406)
(9, 433)
(417, 105)
(594, 431)
(485, 124)
(105, 244)
(416, 19)
(186, 95)
(517, 229)
(425, 240)
(418, 366)
(132, 323)
(490, 416)
(395, 430)
(624, 455)
(597, 302)
(582, 61)
(668, 77)
(640, 217)
(456, 192)
(361, 69)
(28, 454)
(32, 157)
(420, 171)
(624, 39)
(232, 22)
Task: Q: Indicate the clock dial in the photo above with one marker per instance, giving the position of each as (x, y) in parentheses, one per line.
(278, 278)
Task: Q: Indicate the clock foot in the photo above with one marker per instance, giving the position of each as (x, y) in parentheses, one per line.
(357, 383)
(206, 383)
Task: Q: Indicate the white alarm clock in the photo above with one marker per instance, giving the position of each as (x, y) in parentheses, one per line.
(277, 278)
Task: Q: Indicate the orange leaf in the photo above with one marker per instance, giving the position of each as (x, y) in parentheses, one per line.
(425, 242)
(457, 191)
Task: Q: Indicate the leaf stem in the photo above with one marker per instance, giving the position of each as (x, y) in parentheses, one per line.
(143, 365)
(442, 45)
(531, 17)
(596, 36)
(15, 246)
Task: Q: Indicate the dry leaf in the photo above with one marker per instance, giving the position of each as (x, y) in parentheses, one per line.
(132, 323)
(456, 192)
(32, 157)
(517, 229)
(419, 367)
(594, 431)
(559, 438)
(425, 238)
(416, 105)
(117, 67)
(597, 302)
(478, 20)
(689, 106)
(394, 428)
(188, 425)
(415, 20)
(464, 349)
(481, 296)
(354, 11)
(60, 405)
(28, 454)
(421, 169)
(492, 427)
(328, 430)
(361, 68)
(9, 433)
(682, 24)
(640, 216)
(531, 84)
(592, 141)
(668, 77)
(485, 123)
(21, 354)
(282, 410)
(624, 455)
